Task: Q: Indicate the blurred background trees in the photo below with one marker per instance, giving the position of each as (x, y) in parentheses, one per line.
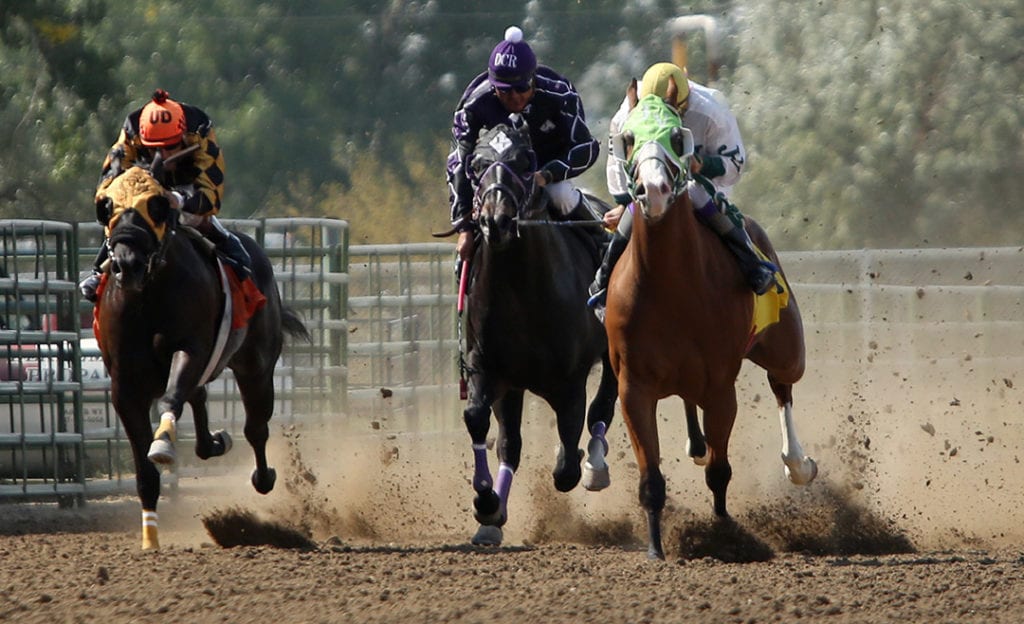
(880, 124)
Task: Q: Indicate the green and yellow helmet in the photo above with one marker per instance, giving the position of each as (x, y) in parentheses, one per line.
(656, 81)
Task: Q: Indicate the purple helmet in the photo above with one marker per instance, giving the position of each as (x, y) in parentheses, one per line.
(512, 61)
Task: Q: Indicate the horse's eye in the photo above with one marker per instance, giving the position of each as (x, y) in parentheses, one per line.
(159, 208)
(479, 163)
(523, 163)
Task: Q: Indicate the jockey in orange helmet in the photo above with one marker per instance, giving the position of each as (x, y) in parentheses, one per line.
(194, 179)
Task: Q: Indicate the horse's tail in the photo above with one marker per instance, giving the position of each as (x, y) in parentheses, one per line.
(292, 324)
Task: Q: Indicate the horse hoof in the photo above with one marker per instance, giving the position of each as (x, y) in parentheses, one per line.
(487, 535)
(264, 486)
(804, 471)
(222, 442)
(567, 474)
(162, 452)
(698, 453)
(596, 479)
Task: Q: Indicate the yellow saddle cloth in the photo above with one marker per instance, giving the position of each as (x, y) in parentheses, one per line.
(768, 305)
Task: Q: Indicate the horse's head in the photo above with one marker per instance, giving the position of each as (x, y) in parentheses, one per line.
(655, 150)
(503, 164)
(136, 214)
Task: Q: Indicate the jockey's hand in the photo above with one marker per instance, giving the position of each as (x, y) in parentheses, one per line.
(695, 165)
(175, 199)
(464, 246)
(541, 178)
(612, 217)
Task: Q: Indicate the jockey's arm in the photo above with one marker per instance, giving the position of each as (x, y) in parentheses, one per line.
(460, 189)
(581, 148)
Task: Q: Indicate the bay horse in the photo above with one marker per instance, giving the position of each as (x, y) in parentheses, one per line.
(528, 327)
(164, 331)
(680, 321)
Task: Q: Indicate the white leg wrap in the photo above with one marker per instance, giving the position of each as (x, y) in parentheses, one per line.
(800, 469)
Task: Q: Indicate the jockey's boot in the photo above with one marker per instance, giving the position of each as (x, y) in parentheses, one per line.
(89, 285)
(760, 274)
(599, 287)
(229, 246)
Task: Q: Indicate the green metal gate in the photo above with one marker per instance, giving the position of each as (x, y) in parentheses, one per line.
(382, 319)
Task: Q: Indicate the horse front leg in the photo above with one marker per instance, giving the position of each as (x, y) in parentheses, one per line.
(800, 468)
(596, 475)
(184, 375)
(570, 413)
(639, 408)
(207, 445)
(477, 417)
(135, 419)
(696, 448)
(258, 399)
(508, 411)
(719, 417)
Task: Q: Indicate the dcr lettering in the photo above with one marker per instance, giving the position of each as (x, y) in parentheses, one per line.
(505, 60)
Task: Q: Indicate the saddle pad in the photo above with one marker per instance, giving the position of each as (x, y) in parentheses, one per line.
(768, 305)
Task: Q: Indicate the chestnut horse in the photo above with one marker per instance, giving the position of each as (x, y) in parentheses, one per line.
(680, 321)
(162, 331)
(528, 328)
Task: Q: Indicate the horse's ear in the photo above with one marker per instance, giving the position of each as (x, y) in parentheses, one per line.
(159, 209)
(156, 168)
(628, 142)
(631, 94)
(671, 92)
(104, 210)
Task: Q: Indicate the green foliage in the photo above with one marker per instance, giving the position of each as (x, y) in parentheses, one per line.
(886, 124)
(883, 123)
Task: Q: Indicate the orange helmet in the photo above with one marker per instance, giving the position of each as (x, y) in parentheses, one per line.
(162, 122)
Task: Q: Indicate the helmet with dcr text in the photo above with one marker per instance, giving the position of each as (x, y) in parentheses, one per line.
(512, 62)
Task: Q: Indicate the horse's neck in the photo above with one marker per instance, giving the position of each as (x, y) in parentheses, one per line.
(676, 240)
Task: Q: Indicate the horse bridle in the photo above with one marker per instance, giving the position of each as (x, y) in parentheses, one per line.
(654, 151)
(522, 189)
(132, 233)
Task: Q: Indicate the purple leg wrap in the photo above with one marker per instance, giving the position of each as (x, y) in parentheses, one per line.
(598, 431)
(706, 211)
(504, 486)
(481, 473)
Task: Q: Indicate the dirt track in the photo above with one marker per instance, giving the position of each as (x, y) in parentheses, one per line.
(391, 528)
(95, 573)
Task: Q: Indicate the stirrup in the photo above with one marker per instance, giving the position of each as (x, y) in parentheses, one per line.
(598, 298)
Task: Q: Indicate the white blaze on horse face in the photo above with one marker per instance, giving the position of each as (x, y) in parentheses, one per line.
(657, 183)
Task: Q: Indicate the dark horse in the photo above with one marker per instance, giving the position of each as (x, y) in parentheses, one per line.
(528, 327)
(160, 314)
(680, 321)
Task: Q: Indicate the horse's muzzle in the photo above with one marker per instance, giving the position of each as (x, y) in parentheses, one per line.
(500, 231)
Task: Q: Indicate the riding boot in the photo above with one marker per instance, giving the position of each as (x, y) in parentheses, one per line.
(760, 274)
(89, 285)
(229, 247)
(599, 287)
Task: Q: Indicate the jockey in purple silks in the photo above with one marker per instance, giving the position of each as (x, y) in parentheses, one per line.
(515, 84)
